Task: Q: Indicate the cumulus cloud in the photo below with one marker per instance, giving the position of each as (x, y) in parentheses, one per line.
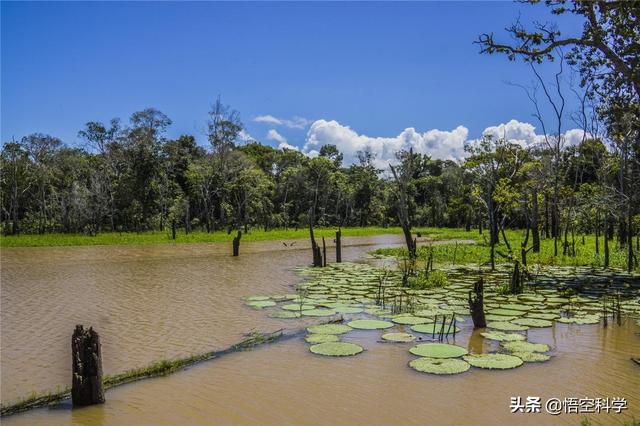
(436, 143)
(245, 136)
(273, 135)
(294, 123)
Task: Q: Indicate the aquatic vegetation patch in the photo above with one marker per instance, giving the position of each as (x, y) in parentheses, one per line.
(581, 320)
(522, 346)
(502, 337)
(531, 356)
(399, 337)
(318, 312)
(259, 304)
(411, 320)
(284, 314)
(438, 350)
(336, 349)
(370, 324)
(493, 361)
(533, 322)
(507, 326)
(434, 328)
(347, 310)
(321, 338)
(439, 365)
(329, 329)
(297, 307)
(258, 298)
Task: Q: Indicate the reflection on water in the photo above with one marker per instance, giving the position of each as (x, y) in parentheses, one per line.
(147, 302)
(165, 301)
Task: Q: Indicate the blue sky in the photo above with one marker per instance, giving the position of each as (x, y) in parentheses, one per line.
(377, 68)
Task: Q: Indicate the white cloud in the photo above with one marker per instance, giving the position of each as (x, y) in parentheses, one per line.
(438, 144)
(294, 123)
(273, 135)
(245, 136)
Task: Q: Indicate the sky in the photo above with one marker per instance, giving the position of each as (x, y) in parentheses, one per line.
(385, 76)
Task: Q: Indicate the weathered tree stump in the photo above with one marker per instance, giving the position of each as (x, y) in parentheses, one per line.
(338, 246)
(173, 229)
(236, 244)
(86, 387)
(476, 304)
(324, 253)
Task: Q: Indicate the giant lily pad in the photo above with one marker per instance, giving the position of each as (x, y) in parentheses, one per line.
(587, 319)
(336, 349)
(533, 322)
(502, 337)
(321, 338)
(329, 329)
(257, 298)
(284, 314)
(297, 307)
(259, 304)
(411, 320)
(318, 312)
(399, 337)
(438, 350)
(525, 347)
(347, 310)
(370, 324)
(494, 361)
(439, 366)
(433, 328)
(531, 356)
(507, 326)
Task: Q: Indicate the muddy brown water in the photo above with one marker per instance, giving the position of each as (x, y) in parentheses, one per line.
(165, 301)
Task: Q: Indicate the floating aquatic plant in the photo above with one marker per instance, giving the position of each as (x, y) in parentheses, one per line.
(259, 304)
(297, 307)
(531, 356)
(507, 326)
(336, 349)
(502, 337)
(318, 312)
(438, 350)
(434, 328)
(347, 310)
(329, 329)
(321, 338)
(399, 337)
(522, 346)
(370, 324)
(284, 314)
(493, 361)
(533, 322)
(439, 366)
(411, 320)
(257, 298)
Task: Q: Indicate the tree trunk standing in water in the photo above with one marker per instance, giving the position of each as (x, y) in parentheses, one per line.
(606, 240)
(403, 211)
(338, 246)
(597, 234)
(324, 253)
(315, 249)
(535, 232)
(476, 304)
(173, 229)
(86, 388)
(236, 244)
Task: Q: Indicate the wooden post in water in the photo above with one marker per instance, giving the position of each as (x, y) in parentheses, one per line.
(476, 304)
(324, 253)
(338, 246)
(86, 383)
(236, 244)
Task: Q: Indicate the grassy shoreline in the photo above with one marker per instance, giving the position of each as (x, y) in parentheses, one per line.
(163, 237)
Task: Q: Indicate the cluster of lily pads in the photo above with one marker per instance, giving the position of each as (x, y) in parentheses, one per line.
(369, 298)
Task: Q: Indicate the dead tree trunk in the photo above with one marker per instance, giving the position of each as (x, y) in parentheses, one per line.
(535, 222)
(86, 388)
(476, 304)
(338, 246)
(173, 229)
(317, 256)
(236, 244)
(324, 253)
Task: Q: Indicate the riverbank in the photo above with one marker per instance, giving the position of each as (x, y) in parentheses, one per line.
(164, 237)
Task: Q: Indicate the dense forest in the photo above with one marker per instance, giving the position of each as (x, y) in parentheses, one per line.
(131, 177)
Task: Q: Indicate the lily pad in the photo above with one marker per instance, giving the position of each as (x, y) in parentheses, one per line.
(329, 329)
(411, 320)
(439, 366)
(257, 298)
(525, 347)
(438, 350)
(493, 361)
(399, 337)
(531, 356)
(336, 349)
(506, 312)
(580, 320)
(321, 338)
(318, 312)
(347, 310)
(533, 322)
(502, 337)
(284, 314)
(370, 324)
(433, 328)
(297, 307)
(259, 304)
(507, 326)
